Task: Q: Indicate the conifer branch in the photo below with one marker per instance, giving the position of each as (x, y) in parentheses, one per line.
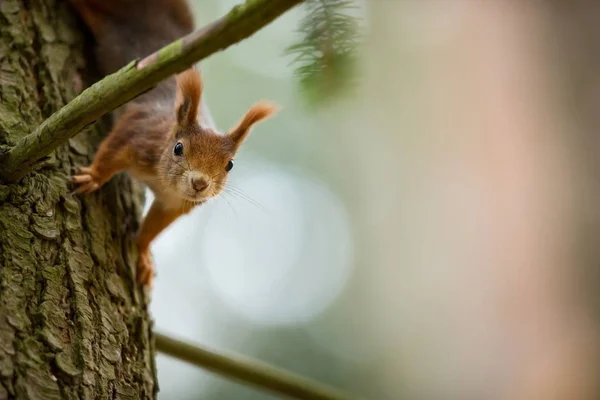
(325, 54)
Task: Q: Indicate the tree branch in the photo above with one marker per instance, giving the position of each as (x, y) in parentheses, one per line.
(252, 372)
(135, 78)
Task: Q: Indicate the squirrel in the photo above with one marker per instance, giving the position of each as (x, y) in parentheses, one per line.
(160, 138)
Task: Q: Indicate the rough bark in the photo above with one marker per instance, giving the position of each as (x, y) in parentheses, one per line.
(73, 323)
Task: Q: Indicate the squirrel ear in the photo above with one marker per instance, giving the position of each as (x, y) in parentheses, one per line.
(256, 113)
(189, 91)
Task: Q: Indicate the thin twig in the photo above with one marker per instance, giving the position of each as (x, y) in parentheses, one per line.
(135, 78)
(253, 372)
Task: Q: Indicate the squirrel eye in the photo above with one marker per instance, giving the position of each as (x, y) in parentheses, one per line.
(229, 166)
(178, 150)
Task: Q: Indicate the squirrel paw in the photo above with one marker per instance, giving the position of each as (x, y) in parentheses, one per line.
(85, 179)
(145, 269)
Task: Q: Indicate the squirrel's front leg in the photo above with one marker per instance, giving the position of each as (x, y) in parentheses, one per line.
(105, 165)
(107, 162)
(113, 156)
(157, 219)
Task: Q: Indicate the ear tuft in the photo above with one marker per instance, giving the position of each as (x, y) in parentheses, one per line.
(189, 92)
(258, 112)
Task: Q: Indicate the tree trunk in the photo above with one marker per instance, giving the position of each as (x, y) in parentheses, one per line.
(73, 322)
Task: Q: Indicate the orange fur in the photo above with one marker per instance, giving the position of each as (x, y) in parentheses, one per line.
(157, 219)
(158, 139)
(256, 113)
(189, 94)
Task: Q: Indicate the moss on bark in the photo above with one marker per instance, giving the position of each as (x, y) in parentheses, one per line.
(73, 323)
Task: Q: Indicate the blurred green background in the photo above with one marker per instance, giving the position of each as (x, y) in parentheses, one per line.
(265, 270)
(431, 236)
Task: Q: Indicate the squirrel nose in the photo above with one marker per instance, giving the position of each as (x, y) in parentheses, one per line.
(199, 184)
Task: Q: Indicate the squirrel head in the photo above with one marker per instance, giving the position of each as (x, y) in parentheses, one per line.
(198, 159)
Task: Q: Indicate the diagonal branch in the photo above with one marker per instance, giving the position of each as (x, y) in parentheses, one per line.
(258, 374)
(135, 78)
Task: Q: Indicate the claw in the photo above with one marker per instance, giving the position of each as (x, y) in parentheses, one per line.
(85, 178)
(84, 170)
(81, 178)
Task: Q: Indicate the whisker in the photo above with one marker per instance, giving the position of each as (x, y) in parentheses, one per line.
(230, 205)
(241, 192)
(243, 196)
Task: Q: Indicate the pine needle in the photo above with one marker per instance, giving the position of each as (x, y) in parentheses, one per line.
(325, 57)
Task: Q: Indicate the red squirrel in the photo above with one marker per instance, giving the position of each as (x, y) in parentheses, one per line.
(160, 137)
